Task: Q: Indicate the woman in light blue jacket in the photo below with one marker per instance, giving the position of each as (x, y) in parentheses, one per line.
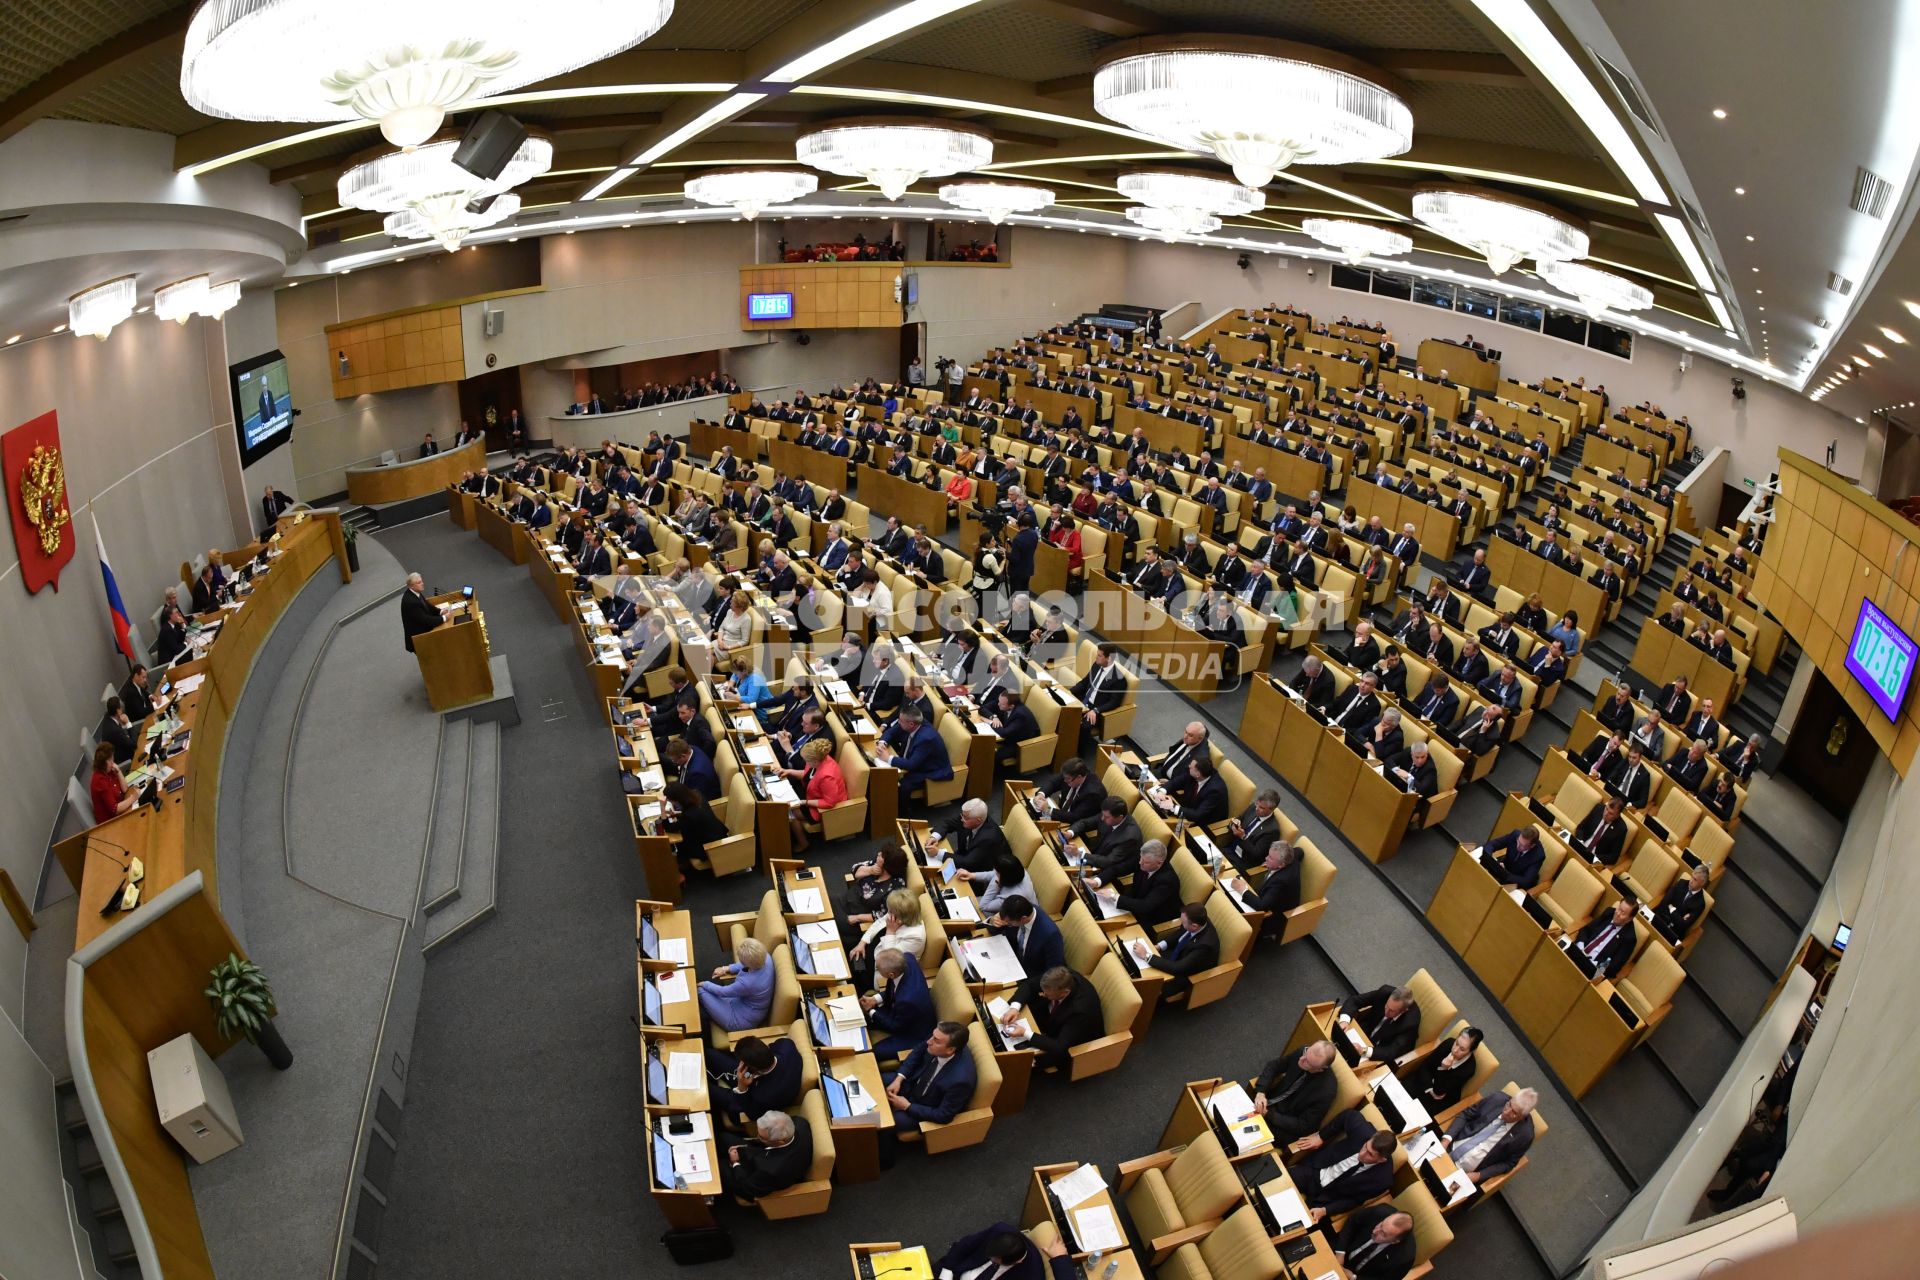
(740, 995)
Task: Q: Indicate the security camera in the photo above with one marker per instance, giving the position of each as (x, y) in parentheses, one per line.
(1245, 262)
(1739, 389)
(1309, 273)
(1686, 361)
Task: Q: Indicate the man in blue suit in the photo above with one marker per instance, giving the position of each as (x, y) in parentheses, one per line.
(1515, 858)
(1003, 1252)
(932, 1086)
(901, 1005)
(695, 767)
(1035, 939)
(1020, 554)
(916, 749)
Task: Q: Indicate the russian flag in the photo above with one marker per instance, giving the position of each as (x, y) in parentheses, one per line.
(122, 629)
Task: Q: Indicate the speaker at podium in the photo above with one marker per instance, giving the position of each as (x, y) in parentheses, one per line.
(453, 655)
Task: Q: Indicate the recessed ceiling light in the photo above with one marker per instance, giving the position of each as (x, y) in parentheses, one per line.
(60, 328)
(1763, 308)
(1739, 191)
(1874, 351)
(1756, 271)
(1893, 335)
(140, 311)
(1719, 113)
(15, 338)
(513, 239)
(1913, 308)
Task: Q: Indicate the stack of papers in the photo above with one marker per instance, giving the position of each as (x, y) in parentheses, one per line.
(191, 683)
(673, 950)
(816, 932)
(672, 986)
(684, 1071)
(1096, 1229)
(991, 957)
(1076, 1188)
(831, 962)
(997, 1009)
(806, 902)
(1289, 1210)
(845, 1011)
(759, 753)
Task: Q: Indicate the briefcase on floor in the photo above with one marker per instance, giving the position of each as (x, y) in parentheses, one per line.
(698, 1244)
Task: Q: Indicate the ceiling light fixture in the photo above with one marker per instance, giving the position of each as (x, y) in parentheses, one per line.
(1172, 224)
(1874, 351)
(221, 298)
(1191, 197)
(181, 300)
(996, 199)
(15, 338)
(431, 197)
(1739, 191)
(61, 328)
(1260, 105)
(1357, 240)
(748, 191)
(403, 65)
(893, 154)
(1893, 335)
(1597, 290)
(1503, 228)
(1719, 113)
(94, 312)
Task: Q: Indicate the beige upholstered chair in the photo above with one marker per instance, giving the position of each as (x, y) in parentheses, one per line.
(1238, 1249)
(1177, 1198)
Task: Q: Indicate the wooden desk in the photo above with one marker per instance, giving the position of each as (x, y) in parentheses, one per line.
(1039, 1209)
(415, 477)
(453, 657)
(856, 1139)
(1460, 905)
(460, 506)
(1661, 655)
(500, 533)
(1461, 364)
(1504, 945)
(915, 504)
(684, 1208)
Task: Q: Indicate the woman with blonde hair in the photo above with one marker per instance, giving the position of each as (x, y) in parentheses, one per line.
(739, 996)
(899, 929)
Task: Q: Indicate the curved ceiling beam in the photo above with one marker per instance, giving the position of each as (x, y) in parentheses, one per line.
(77, 75)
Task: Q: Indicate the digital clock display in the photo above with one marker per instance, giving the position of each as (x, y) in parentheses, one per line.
(1881, 657)
(769, 306)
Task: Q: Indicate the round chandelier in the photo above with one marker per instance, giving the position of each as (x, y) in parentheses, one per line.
(182, 300)
(1173, 224)
(1597, 290)
(996, 199)
(1191, 195)
(1357, 240)
(1503, 228)
(445, 201)
(95, 311)
(750, 190)
(221, 298)
(448, 225)
(893, 154)
(1258, 104)
(402, 64)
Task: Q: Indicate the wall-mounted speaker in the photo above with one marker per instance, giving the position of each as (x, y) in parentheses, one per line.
(493, 323)
(489, 143)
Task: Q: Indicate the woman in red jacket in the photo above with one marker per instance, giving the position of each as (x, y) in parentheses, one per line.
(826, 787)
(1066, 536)
(108, 788)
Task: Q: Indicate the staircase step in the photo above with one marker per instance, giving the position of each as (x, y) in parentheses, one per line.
(99, 1196)
(480, 845)
(119, 1243)
(449, 816)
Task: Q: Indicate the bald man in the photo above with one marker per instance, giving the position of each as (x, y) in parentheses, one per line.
(416, 614)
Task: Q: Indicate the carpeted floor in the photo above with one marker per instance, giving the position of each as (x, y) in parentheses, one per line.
(525, 1075)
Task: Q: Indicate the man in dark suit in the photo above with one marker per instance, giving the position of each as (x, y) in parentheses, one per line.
(136, 695)
(688, 723)
(1606, 944)
(1682, 906)
(933, 1085)
(1602, 834)
(901, 1006)
(1633, 780)
(766, 1078)
(779, 1157)
(1203, 801)
(417, 616)
(427, 447)
(1034, 937)
(117, 732)
(1065, 1010)
(694, 767)
(274, 504)
(1515, 858)
(1489, 1137)
(973, 839)
(1193, 948)
(1687, 766)
(1674, 702)
(1702, 723)
(1347, 1163)
(1742, 758)
(1413, 771)
(1314, 683)
(1253, 832)
(1376, 1243)
(1103, 688)
(1073, 795)
(1358, 707)
(1153, 898)
(1112, 840)
(1002, 1252)
(1438, 702)
(1617, 712)
(1014, 722)
(1293, 1094)
(1388, 1016)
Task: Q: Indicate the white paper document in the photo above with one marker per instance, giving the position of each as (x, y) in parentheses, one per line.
(816, 932)
(690, 1162)
(805, 902)
(701, 1122)
(759, 753)
(683, 1071)
(1016, 1035)
(674, 949)
(831, 962)
(1289, 1210)
(965, 909)
(782, 790)
(1097, 1228)
(191, 683)
(1076, 1188)
(672, 986)
(991, 957)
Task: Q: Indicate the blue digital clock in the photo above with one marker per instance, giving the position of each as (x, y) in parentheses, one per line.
(769, 306)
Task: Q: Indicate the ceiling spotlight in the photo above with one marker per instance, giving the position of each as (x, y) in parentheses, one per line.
(1874, 351)
(1893, 335)
(403, 65)
(1719, 113)
(1503, 228)
(1357, 240)
(894, 153)
(1257, 104)
(748, 191)
(15, 338)
(1913, 308)
(94, 312)
(60, 328)
(1749, 239)
(996, 199)
(1739, 191)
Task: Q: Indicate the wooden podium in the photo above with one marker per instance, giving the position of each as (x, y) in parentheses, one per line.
(453, 656)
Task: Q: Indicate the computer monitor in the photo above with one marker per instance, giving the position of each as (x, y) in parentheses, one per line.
(656, 1079)
(802, 955)
(817, 1023)
(1842, 935)
(651, 1010)
(838, 1105)
(662, 1161)
(948, 870)
(649, 939)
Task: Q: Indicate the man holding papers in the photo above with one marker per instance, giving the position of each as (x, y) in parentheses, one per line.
(1065, 1013)
(1348, 1163)
(900, 1006)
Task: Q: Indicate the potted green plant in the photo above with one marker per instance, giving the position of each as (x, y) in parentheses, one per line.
(352, 536)
(243, 1008)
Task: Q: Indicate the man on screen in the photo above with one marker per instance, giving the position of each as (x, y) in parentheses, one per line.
(266, 403)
